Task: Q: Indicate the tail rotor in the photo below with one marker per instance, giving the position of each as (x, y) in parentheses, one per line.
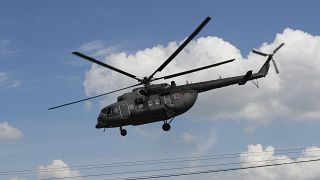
(270, 56)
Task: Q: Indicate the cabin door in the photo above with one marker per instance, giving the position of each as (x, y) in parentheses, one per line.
(124, 111)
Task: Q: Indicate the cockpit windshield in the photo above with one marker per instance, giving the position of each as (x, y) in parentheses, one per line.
(114, 110)
(104, 111)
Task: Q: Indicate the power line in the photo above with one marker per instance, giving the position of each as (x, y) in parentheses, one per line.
(156, 161)
(178, 168)
(210, 171)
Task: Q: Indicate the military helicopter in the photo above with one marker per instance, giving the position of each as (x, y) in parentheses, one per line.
(163, 102)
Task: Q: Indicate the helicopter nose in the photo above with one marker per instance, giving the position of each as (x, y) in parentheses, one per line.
(101, 121)
(101, 124)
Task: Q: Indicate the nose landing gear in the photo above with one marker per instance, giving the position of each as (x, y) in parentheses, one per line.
(166, 126)
(123, 132)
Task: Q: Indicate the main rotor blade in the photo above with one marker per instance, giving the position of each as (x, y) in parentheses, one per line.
(74, 102)
(274, 51)
(195, 32)
(194, 70)
(260, 53)
(104, 65)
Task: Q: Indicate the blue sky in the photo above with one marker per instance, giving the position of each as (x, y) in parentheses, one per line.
(36, 41)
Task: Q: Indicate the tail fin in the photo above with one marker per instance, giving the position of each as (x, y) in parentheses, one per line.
(265, 68)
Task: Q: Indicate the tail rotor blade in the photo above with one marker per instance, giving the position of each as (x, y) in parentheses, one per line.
(260, 53)
(274, 51)
(275, 66)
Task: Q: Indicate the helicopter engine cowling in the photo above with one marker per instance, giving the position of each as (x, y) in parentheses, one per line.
(142, 92)
(182, 101)
(125, 97)
(140, 99)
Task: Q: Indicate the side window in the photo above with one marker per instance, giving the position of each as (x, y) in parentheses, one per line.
(131, 106)
(109, 111)
(157, 101)
(150, 103)
(167, 99)
(103, 112)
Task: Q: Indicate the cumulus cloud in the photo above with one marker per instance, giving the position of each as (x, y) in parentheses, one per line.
(263, 156)
(61, 170)
(8, 132)
(289, 95)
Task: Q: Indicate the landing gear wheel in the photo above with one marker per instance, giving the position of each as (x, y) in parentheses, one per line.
(166, 127)
(123, 132)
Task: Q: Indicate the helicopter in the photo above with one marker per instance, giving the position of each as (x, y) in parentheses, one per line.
(151, 103)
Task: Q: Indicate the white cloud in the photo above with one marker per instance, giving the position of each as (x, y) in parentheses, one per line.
(98, 48)
(188, 137)
(4, 47)
(8, 132)
(203, 144)
(291, 95)
(7, 81)
(93, 46)
(3, 77)
(88, 106)
(61, 170)
(148, 133)
(301, 171)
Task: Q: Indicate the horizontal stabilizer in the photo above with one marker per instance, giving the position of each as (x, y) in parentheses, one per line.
(245, 78)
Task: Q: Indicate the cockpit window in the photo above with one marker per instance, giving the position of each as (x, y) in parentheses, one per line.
(167, 99)
(104, 111)
(113, 110)
(157, 101)
(109, 111)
